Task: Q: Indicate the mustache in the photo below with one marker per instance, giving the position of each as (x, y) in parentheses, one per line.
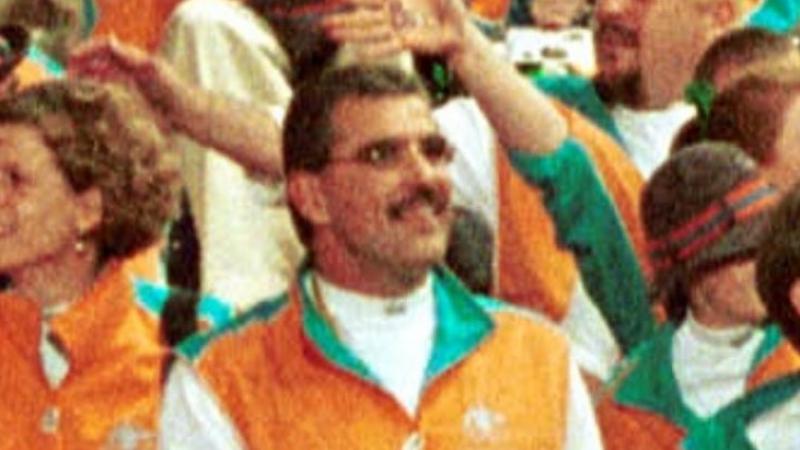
(437, 199)
(617, 33)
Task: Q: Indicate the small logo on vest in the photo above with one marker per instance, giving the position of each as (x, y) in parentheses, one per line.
(127, 436)
(482, 424)
(415, 441)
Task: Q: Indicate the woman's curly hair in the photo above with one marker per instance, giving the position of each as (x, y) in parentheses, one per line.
(104, 136)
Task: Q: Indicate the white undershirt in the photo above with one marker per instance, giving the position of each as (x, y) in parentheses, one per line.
(648, 134)
(711, 366)
(393, 336)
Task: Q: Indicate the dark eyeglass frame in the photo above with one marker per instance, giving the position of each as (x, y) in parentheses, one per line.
(388, 153)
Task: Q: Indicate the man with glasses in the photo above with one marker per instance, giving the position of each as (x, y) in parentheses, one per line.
(375, 346)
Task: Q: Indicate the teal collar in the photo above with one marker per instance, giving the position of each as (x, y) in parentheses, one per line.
(461, 325)
(651, 384)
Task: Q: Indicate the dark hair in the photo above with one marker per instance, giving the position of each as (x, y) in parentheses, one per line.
(470, 250)
(307, 130)
(750, 114)
(778, 264)
(739, 48)
(102, 136)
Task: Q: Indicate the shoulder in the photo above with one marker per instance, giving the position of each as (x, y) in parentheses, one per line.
(262, 313)
(212, 312)
(510, 317)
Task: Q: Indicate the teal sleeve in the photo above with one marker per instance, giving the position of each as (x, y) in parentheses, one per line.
(779, 16)
(579, 93)
(588, 224)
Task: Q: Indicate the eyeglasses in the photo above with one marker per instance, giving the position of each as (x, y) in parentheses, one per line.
(389, 153)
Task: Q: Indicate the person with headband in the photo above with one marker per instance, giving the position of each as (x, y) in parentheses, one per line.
(698, 383)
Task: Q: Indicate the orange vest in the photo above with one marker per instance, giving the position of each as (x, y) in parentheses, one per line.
(137, 22)
(112, 390)
(496, 380)
(532, 270)
(494, 10)
(629, 427)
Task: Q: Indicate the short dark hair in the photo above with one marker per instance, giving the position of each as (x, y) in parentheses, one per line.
(739, 48)
(778, 264)
(103, 136)
(307, 130)
(750, 114)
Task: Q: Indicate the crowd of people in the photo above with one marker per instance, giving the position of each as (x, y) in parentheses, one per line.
(363, 224)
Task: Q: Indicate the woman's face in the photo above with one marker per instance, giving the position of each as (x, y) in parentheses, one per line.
(41, 218)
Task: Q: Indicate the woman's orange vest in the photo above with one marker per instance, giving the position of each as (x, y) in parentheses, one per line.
(112, 391)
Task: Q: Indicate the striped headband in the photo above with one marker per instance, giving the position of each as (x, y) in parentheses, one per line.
(749, 198)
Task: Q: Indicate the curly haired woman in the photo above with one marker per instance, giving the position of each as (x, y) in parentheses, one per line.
(85, 183)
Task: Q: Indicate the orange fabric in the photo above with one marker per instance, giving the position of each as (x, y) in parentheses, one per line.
(532, 270)
(281, 393)
(495, 10)
(625, 428)
(114, 378)
(783, 361)
(146, 264)
(28, 73)
(137, 22)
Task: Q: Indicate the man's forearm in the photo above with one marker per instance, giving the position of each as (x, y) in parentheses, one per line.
(248, 135)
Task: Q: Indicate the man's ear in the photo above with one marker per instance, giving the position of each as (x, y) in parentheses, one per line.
(794, 296)
(90, 210)
(307, 198)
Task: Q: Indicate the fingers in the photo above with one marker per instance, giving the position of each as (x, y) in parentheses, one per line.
(360, 25)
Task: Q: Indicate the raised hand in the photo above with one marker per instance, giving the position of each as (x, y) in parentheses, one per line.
(380, 28)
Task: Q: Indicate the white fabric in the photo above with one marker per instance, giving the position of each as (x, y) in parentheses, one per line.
(249, 249)
(474, 177)
(556, 51)
(777, 429)
(192, 418)
(55, 364)
(473, 169)
(711, 366)
(393, 336)
(593, 344)
(648, 134)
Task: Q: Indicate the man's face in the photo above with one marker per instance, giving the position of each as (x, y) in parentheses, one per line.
(386, 190)
(784, 168)
(617, 36)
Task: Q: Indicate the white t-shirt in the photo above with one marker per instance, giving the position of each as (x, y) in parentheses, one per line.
(648, 134)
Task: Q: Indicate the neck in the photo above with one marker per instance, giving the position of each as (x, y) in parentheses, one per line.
(365, 275)
(57, 280)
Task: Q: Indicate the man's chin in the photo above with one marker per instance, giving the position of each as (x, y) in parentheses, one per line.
(618, 88)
